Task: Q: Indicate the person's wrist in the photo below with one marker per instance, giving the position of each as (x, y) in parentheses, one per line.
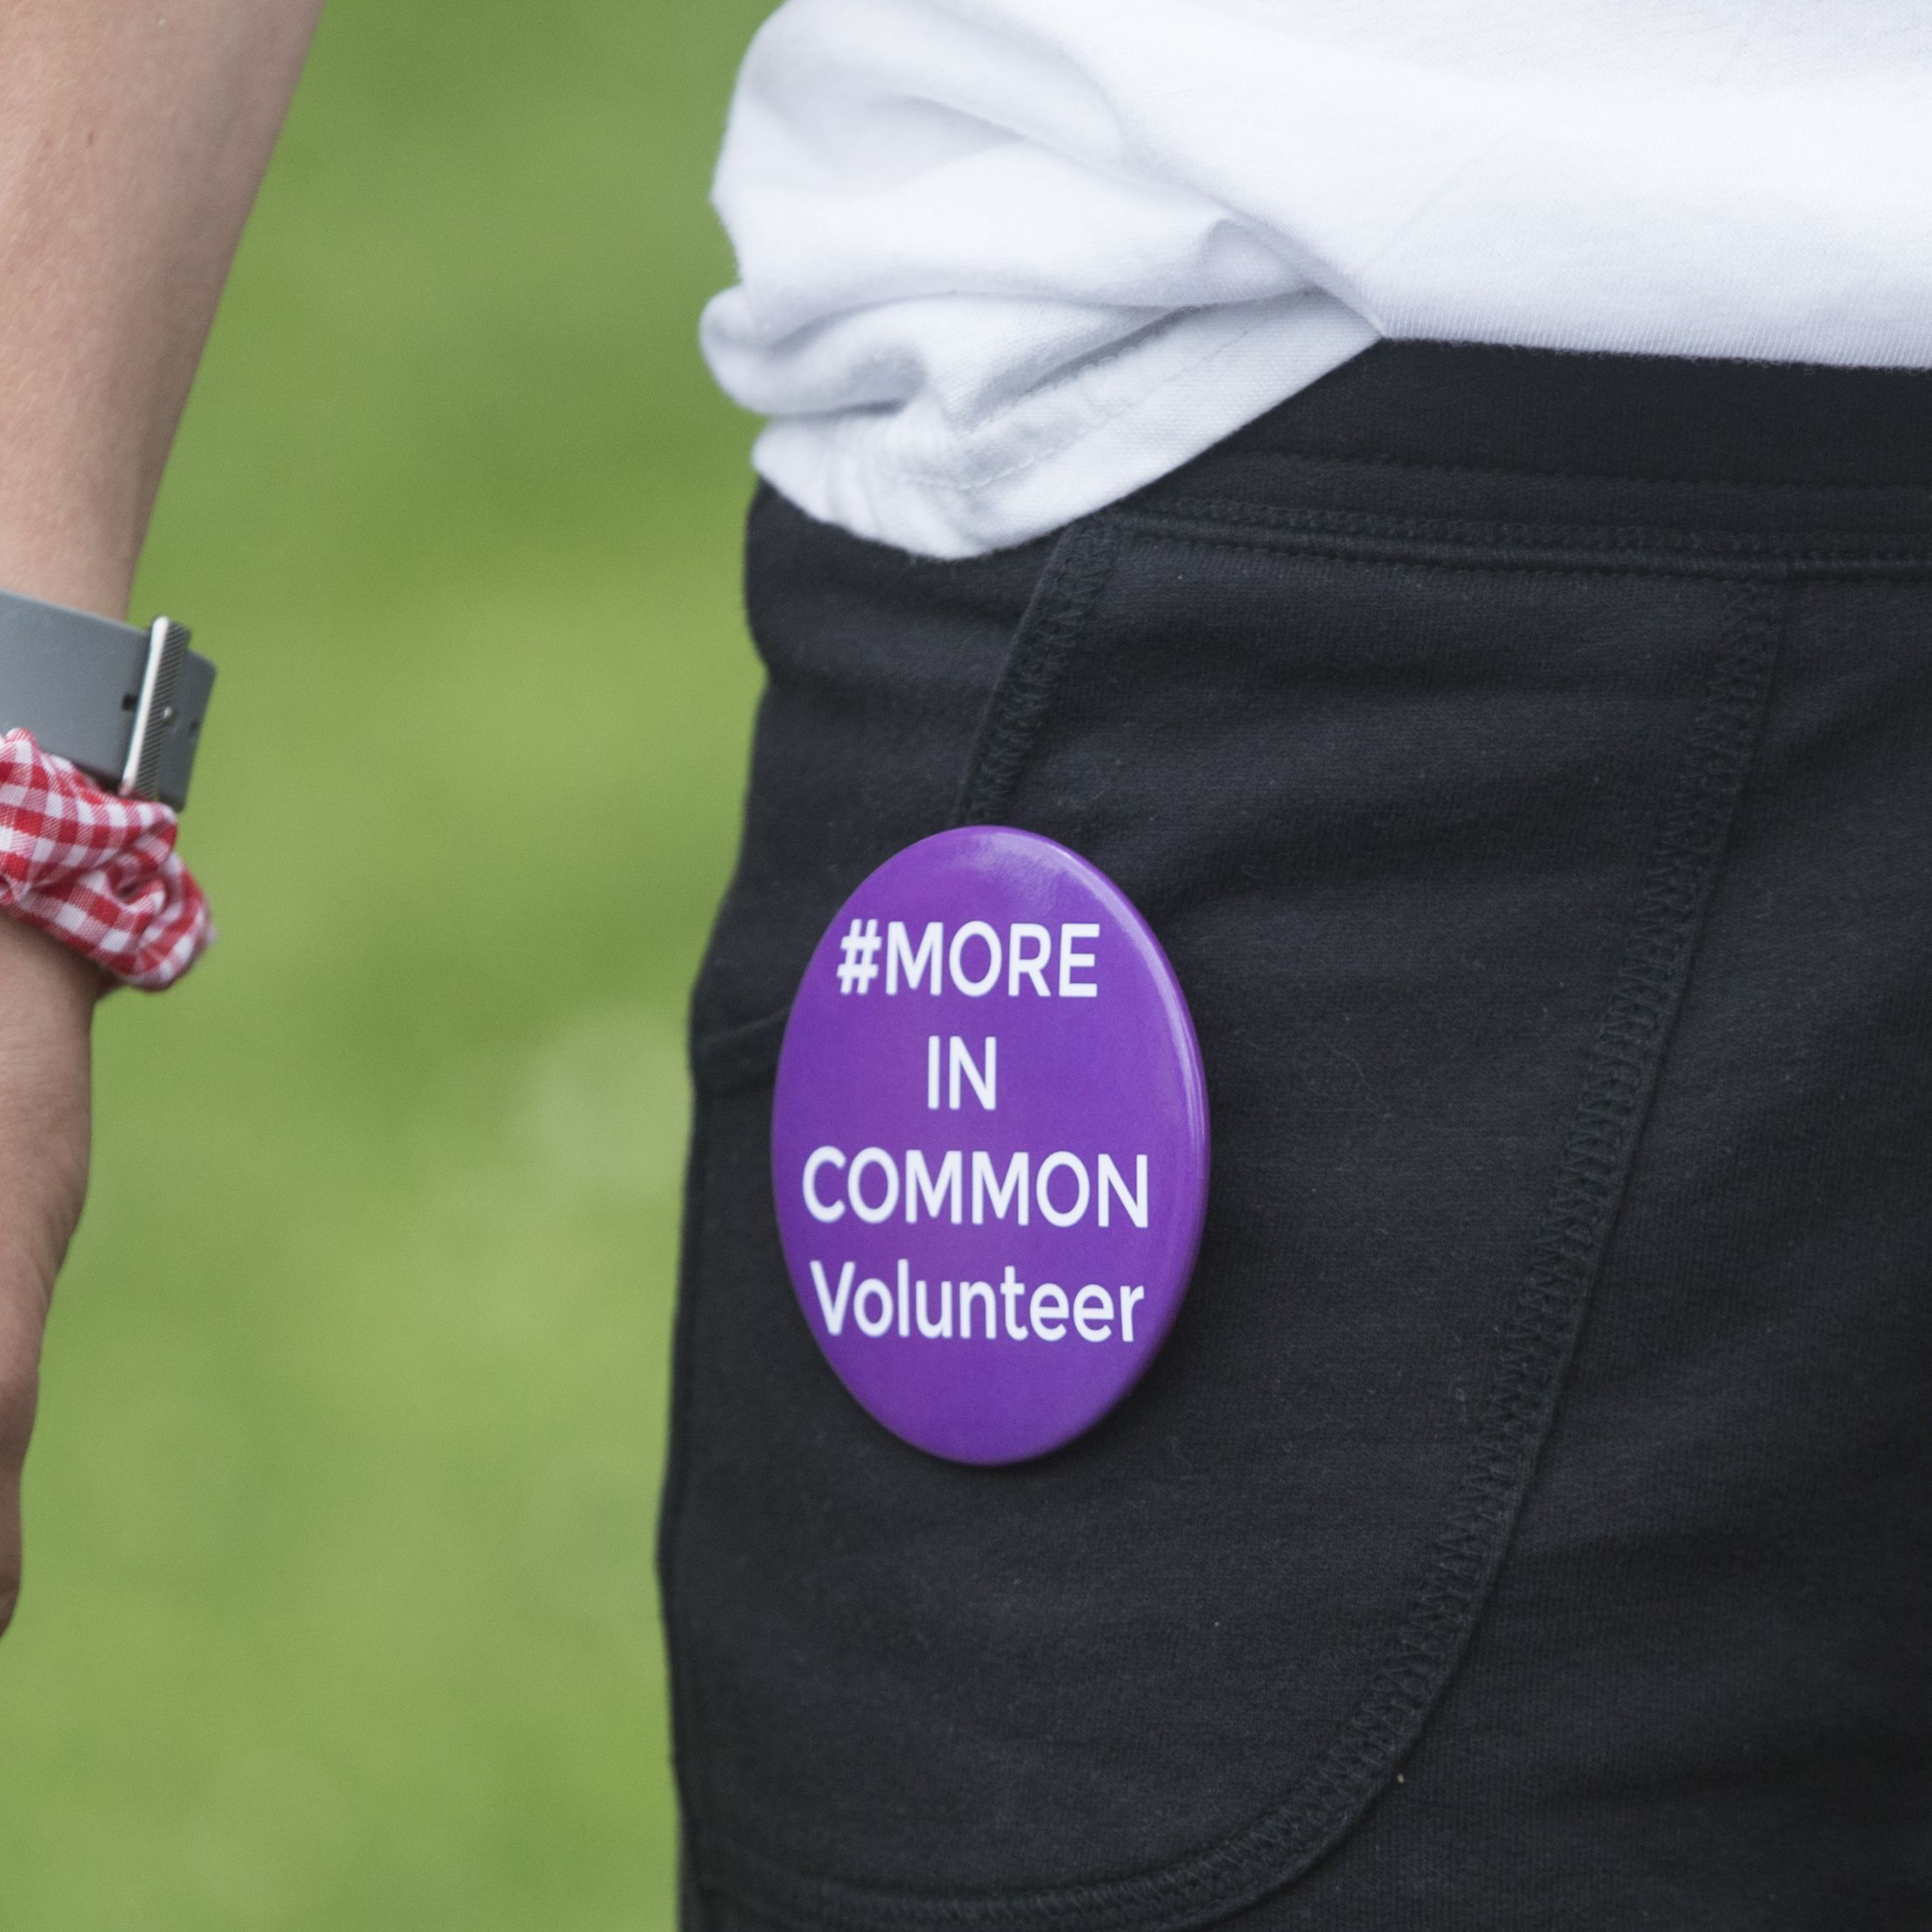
(64, 556)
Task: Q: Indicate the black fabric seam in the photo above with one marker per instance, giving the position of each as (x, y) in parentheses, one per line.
(1593, 1169)
(1755, 484)
(1786, 553)
(1386, 552)
(1056, 614)
(1075, 574)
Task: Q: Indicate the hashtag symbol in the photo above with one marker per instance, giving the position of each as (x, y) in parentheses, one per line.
(859, 963)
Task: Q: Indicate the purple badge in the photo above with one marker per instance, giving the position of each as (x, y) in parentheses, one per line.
(989, 1145)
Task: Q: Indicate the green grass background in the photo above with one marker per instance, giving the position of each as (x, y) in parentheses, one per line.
(339, 1609)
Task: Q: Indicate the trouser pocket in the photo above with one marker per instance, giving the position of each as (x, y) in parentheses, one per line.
(1428, 841)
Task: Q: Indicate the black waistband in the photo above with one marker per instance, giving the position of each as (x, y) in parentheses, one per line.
(1654, 441)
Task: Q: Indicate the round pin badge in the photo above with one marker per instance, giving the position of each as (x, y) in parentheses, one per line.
(989, 1145)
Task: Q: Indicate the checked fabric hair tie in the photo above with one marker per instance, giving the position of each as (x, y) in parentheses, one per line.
(99, 874)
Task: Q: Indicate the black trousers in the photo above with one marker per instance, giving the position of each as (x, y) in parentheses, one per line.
(1526, 763)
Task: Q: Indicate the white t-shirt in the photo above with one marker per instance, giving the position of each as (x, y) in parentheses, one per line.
(1003, 261)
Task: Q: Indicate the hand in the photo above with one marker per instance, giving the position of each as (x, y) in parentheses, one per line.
(47, 997)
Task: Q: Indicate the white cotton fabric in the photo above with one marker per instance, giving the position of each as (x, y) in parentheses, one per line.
(1002, 260)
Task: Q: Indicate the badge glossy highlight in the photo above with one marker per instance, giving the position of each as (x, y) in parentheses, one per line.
(989, 1145)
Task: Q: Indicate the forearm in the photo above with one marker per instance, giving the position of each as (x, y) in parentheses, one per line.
(133, 136)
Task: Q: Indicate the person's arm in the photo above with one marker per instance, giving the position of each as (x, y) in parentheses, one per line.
(133, 136)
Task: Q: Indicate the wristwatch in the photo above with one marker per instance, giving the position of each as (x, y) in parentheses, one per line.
(124, 703)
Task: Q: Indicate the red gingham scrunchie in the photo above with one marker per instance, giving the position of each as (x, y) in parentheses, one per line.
(97, 872)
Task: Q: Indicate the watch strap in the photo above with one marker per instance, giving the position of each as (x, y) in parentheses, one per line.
(124, 703)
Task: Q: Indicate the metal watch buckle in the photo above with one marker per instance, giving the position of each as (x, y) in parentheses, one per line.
(154, 711)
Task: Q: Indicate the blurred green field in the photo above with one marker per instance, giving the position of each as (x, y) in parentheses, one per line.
(339, 1609)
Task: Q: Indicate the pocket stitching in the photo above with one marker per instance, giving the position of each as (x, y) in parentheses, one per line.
(746, 1054)
(1531, 1360)
(1076, 575)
